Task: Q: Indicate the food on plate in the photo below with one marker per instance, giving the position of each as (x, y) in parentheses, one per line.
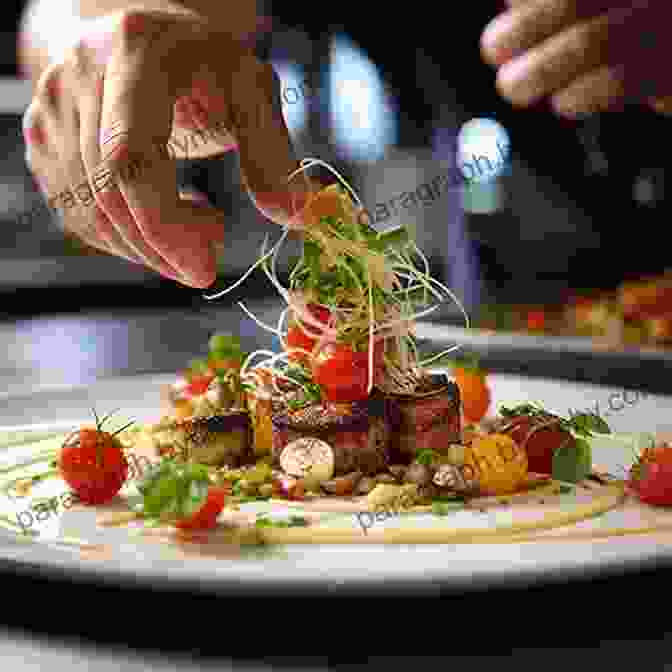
(223, 439)
(427, 418)
(651, 475)
(309, 458)
(93, 463)
(637, 312)
(498, 463)
(548, 438)
(209, 385)
(475, 394)
(350, 403)
(357, 433)
(647, 297)
(181, 494)
(349, 410)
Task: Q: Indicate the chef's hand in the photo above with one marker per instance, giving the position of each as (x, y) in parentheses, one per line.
(587, 55)
(98, 132)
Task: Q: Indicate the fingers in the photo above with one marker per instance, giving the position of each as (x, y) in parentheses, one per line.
(112, 227)
(138, 105)
(598, 91)
(529, 23)
(546, 46)
(555, 63)
(233, 91)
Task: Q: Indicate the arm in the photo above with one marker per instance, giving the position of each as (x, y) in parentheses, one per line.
(39, 44)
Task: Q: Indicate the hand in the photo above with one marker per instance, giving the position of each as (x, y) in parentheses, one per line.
(99, 136)
(588, 55)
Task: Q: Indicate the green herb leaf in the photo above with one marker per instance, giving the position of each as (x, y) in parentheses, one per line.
(426, 456)
(225, 346)
(292, 521)
(587, 423)
(573, 461)
(173, 488)
(441, 508)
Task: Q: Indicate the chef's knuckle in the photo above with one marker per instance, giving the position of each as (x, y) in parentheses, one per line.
(48, 83)
(138, 28)
(79, 61)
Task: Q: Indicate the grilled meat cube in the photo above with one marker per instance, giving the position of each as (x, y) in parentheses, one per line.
(358, 432)
(215, 440)
(430, 420)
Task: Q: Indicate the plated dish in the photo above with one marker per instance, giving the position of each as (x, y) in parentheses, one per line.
(347, 434)
(636, 313)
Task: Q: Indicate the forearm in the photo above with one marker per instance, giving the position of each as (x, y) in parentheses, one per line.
(40, 44)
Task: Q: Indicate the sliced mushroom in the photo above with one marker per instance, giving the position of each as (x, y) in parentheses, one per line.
(386, 479)
(398, 471)
(308, 458)
(421, 474)
(366, 485)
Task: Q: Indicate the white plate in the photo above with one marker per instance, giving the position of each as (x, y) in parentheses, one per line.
(324, 569)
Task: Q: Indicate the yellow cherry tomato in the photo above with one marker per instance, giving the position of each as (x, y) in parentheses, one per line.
(498, 462)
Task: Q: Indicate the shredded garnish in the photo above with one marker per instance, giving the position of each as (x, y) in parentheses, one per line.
(366, 279)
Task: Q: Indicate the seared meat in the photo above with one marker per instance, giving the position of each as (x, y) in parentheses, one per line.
(358, 432)
(430, 421)
(215, 440)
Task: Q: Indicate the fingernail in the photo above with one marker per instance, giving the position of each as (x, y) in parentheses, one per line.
(196, 197)
(514, 80)
(496, 32)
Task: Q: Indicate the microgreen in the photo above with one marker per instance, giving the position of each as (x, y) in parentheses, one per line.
(583, 424)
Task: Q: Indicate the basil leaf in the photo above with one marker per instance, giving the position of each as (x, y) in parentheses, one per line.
(162, 496)
(587, 423)
(573, 461)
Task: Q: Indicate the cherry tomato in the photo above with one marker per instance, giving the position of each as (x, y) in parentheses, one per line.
(541, 444)
(93, 464)
(297, 338)
(206, 517)
(651, 477)
(536, 320)
(198, 385)
(343, 373)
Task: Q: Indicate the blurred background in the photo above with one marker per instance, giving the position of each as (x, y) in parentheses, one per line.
(389, 97)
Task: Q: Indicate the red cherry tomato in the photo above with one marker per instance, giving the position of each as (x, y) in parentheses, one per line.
(93, 464)
(651, 478)
(343, 373)
(206, 517)
(198, 385)
(297, 338)
(541, 444)
(536, 320)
